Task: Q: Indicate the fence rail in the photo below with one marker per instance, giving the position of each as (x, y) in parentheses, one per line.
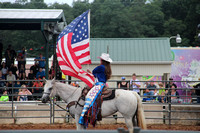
(167, 107)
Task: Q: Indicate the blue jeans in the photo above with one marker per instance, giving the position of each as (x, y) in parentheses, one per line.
(150, 94)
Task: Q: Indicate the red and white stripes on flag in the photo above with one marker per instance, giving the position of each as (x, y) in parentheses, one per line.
(73, 49)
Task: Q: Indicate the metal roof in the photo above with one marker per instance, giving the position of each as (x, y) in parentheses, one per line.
(29, 14)
(29, 19)
(133, 50)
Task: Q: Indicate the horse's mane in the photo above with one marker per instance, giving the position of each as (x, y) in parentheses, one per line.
(55, 88)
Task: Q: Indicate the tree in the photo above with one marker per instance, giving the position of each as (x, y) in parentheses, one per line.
(79, 7)
(188, 12)
(36, 4)
(172, 27)
(111, 20)
(68, 11)
(155, 19)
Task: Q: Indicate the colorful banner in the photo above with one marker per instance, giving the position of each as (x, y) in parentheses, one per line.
(186, 66)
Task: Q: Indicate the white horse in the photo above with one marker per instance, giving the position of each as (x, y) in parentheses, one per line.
(128, 103)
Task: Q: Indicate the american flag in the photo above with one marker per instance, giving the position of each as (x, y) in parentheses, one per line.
(73, 48)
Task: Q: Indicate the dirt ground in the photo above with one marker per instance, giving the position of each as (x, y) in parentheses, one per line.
(103, 127)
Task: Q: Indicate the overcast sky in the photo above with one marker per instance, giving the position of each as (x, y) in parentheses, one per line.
(69, 2)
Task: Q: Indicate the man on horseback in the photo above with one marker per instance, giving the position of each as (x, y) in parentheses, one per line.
(102, 73)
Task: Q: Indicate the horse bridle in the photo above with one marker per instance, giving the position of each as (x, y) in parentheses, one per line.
(48, 93)
(70, 103)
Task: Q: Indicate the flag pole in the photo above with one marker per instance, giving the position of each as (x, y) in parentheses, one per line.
(107, 49)
(88, 66)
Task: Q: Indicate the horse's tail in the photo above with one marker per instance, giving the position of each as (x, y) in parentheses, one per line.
(140, 113)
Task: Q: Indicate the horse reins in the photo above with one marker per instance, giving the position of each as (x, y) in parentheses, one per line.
(72, 103)
(61, 107)
(46, 93)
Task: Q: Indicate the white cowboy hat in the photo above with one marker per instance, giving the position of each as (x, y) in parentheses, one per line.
(105, 57)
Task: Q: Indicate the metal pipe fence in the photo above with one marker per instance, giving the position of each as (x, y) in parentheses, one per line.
(167, 107)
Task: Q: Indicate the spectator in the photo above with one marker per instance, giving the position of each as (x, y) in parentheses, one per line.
(24, 57)
(174, 95)
(2, 83)
(75, 84)
(161, 88)
(162, 98)
(156, 92)
(24, 79)
(10, 82)
(146, 84)
(4, 70)
(16, 88)
(4, 97)
(31, 76)
(35, 68)
(22, 73)
(59, 74)
(123, 84)
(10, 56)
(1, 51)
(40, 74)
(197, 91)
(169, 85)
(20, 61)
(37, 88)
(10, 79)
(13, 68)
(151, 90)
(51, 73)
(23, 94)
(21, 58)
(41, 60)
(193, 95)
(135, 85)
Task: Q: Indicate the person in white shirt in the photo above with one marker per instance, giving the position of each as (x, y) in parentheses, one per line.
(10, 78)
(10, 82)
(135, 85)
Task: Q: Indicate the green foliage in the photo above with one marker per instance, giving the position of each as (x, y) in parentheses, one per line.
(27, 39)
(68, 11)
(36, 4)
(117, 19)
(79, 7)
(155, 19)
(107, 22)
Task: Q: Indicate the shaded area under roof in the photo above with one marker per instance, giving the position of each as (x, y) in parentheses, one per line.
(29, 19)
(132, 50)
(49, 21)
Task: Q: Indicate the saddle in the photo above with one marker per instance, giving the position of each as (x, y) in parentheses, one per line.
(105, 96)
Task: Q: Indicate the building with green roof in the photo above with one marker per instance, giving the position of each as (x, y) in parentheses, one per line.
(143, 56)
